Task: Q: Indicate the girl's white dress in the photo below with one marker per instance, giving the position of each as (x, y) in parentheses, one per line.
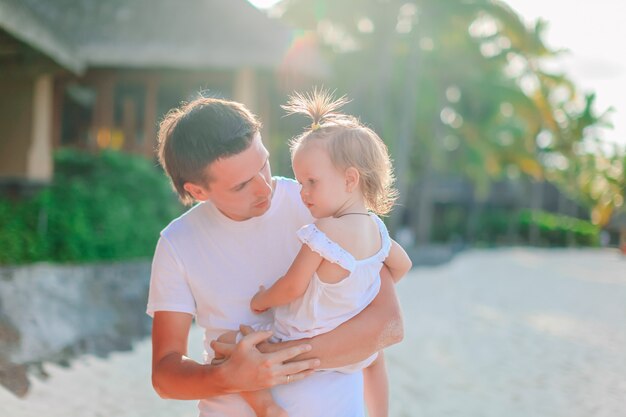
(325, 306)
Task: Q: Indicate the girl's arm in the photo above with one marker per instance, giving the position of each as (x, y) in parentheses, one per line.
(378, 326)
(292, 285)
(398, 262)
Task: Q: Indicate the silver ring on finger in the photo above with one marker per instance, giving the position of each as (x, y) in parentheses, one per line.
(288, 378)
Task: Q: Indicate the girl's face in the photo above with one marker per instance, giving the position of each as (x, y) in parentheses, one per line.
(324, 188)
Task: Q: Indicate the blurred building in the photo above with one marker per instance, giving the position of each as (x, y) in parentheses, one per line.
(99, 74)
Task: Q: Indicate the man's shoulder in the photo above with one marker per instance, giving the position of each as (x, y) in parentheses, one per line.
(290, 205)
(288, 184)
(288, 191)
(288, 194)
(184, 223)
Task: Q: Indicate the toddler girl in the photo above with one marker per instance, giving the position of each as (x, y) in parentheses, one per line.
(346, 177)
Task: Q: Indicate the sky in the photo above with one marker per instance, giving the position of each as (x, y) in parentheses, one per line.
(593, 34)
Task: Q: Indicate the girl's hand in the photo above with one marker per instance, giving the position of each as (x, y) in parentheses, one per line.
(256, 304)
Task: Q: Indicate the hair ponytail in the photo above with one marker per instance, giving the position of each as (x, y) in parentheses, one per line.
(319, 106)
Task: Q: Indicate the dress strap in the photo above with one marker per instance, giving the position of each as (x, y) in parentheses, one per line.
(385, 239)
(317, 240)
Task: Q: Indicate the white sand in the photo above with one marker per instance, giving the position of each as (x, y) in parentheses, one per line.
(118, 386)
(511, 332)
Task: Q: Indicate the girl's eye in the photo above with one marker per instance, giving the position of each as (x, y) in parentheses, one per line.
(311, 181)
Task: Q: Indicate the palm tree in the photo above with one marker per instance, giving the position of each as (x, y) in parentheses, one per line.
(454, 87)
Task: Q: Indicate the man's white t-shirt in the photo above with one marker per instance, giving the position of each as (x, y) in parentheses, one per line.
(210, 266)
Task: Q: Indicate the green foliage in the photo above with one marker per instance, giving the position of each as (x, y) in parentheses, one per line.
(109, 206)
(498, 227)
(459, 88)
(557, 230)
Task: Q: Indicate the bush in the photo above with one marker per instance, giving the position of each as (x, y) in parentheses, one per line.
(109, 206)
(557, 230)
(497, 226)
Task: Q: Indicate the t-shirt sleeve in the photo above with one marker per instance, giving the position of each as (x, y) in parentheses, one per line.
(169, 289)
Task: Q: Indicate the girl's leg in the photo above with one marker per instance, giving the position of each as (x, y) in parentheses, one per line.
(376, 388)
(260, 401)
(263, 403)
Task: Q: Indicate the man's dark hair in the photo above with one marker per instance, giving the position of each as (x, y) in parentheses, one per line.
(199, 133)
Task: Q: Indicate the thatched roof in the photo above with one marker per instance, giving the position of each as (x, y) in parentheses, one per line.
(24, 24)
(189, 34)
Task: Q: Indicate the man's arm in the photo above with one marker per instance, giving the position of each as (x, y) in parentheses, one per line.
(378, 326)
(176, 376)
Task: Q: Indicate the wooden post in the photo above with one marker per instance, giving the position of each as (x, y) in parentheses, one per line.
(103, 121)
(57, 112)
(245, 88)
(39, 162)
(150, 117)
(129, 124)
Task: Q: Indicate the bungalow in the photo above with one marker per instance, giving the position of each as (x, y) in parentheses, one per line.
(99, 74)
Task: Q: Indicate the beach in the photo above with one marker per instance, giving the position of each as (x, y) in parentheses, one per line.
(513, 332)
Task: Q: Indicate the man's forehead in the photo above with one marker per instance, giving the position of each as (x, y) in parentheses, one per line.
(235, 169)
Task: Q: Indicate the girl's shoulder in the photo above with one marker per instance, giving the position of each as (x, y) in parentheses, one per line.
(355, 233)
(354, 239)
(334, 228)
(331, 225)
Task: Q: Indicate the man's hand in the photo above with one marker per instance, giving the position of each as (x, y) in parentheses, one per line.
(176, 376)
(247, 369)
(255, 304)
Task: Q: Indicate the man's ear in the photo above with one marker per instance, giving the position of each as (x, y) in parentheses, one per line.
(197, 192)
(352, 179)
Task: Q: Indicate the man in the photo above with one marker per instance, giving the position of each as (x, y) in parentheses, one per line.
(210, 262)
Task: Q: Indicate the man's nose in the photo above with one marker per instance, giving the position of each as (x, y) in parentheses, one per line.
(263, 186)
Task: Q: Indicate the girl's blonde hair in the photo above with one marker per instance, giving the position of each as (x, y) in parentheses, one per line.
(349, 144)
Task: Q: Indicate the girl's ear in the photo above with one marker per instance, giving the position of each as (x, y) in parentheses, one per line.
(197, 192)
(352, 179)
